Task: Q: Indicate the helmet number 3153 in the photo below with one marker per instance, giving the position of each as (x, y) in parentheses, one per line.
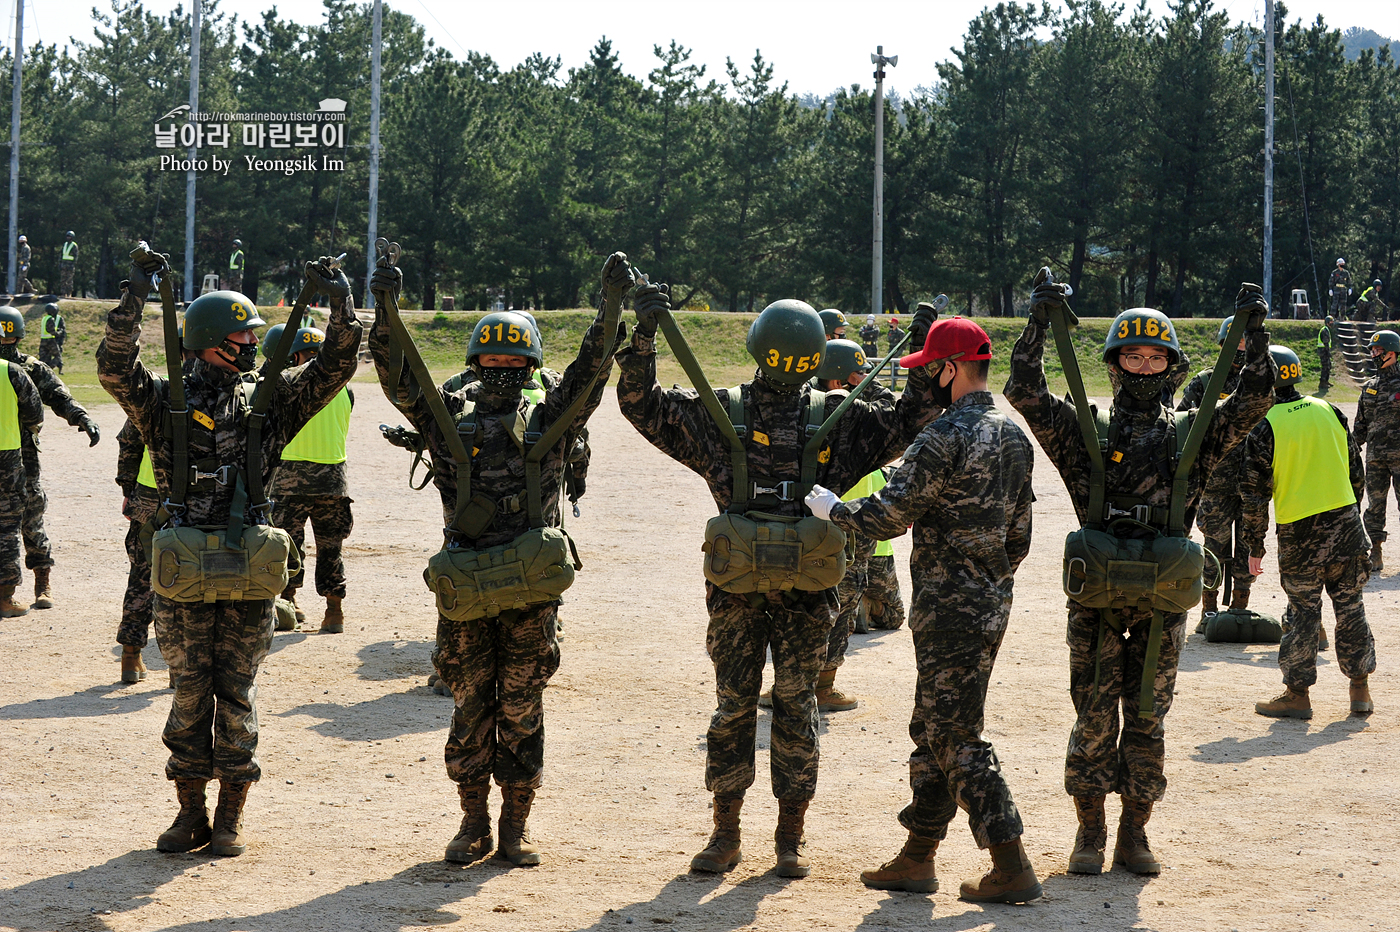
(794, 364)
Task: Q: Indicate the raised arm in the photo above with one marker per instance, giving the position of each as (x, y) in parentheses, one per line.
(304, 391)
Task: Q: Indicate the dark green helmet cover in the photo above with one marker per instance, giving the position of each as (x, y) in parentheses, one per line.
(1224, 329)
(1287, 369)
(1387, 340)
(787, 341)
(832, 320)
(308, 340)
(1141, 326)
(506, 333)
(269, 340)
(842, 358)
(211, 317)
(11, 322)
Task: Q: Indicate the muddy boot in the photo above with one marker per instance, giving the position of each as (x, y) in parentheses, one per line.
(43, 595)
(1377, 563)
(334, 622)
(1240, 600)
(1011, 879)
(788, 841)
(473, 841)
(1131, 848)
(290, 595)
(227, 840)
(1291, 703)
(1092, 837)
(133, 667)
(765, 698)
(1209, 606)
(9, 608)
(722, 853)
(1361, 697)
(514, 831)
(831, 699)
(911, 870)
(190, 829)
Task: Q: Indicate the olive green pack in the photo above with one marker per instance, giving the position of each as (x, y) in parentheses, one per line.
(196, 564)
(1242, 626)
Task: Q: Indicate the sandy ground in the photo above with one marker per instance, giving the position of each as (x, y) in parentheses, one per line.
(1275, 825)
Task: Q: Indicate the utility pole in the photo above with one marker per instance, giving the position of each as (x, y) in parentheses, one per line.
(14, 142)
(376, 46)
(193, 151)
(1268, 282)
(877, 268)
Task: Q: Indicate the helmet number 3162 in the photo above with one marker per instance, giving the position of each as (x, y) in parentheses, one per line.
(1143, 327)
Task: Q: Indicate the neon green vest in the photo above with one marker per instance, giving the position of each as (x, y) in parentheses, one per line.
(1310, 460)
(44, 333)
(146, 475)
(322, 440)
(9, 411)
(863, 489)
(70, 252)
(235, 261)
(535, 390)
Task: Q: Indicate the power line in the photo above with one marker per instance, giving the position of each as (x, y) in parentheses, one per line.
(444, 28)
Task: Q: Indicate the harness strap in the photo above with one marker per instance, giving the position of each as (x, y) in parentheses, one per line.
(738, 456)
(176, 404)
(1059, 326)
(1149, 665)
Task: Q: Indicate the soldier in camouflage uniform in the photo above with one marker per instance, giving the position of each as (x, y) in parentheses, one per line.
(882, 590)
(1302, 458)
(1339, 287)
(1378, 429)
(21, 413)
(794, 623)
(498, 667)
(1102, 758)
(1219, 514)
(140, 501)
(38, 552)
(1370, 307)
(965, 486)
(216, 648)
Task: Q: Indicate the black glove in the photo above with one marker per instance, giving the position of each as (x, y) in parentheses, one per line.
(144, 266)
(329, 281)
(650, 299)
(1251, 301)
(918, 330)
(93, 433)
(617, 277)
(387, 281)
(1048, 295)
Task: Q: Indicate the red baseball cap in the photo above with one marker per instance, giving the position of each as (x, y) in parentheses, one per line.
(951, 338)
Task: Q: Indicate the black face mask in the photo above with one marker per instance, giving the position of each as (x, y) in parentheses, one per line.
(942, 395)
(1144, 388)
(503, 380)
(1238, 362)
(244, 356)
(10, 351)
(781, 388)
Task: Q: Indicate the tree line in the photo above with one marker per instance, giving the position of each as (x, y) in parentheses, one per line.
(1125, 150)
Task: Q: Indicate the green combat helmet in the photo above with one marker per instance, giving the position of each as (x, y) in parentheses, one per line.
(1142, 326)
(842, 358)
(1287, 369)
(210, 318)
(269, 340)
(1224, 330)
(11, 323)
(1388, 341)
(832, 321)
(506, 333)
(787, 341)
(308, 340)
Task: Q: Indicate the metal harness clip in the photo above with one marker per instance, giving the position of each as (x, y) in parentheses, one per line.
(783, 490)
(220, 475)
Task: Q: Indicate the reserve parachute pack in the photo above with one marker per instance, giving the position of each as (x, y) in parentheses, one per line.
(1129, 555)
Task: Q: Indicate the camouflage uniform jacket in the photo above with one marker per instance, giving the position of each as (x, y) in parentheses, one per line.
(871, 432)
(52, 392)
(498, 464)
(1337, 532)
(302, 478)
(141, 502)
(1223, 481)
(965, 486)
(31, 406)
(1143, 470)
(214, 392)
(1340, 278)
(1378, 411)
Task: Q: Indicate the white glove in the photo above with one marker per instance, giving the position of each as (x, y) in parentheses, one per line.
(821, 501)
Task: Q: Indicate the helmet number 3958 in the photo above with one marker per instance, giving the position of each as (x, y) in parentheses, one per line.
(794, 364)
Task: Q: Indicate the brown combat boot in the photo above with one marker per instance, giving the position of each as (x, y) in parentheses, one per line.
(9, 608)
(722, 853)
(1210, 604)
(1131, 848)
(334, 622)
(514, 831)
(133, 667)
(788, 841)
(1361, 696)
(1291, 703)
(227, 840)
(1092, 837)
(831, 699)
(1240, 600)
(1011, 879)
(1377, 562)
(43, 595)
(473, 841)
(911, 870)
(289, 594)
(190, 830)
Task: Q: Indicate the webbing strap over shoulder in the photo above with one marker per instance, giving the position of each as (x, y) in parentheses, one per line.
(177, 404)
(738, 455)
(1059, 326)
(816, 416)
(466, 438)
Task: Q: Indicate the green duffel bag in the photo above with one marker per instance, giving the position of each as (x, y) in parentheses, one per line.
(194, 564)
(1103, 571)
(1242, 626)
(759, 552)
(536, 567)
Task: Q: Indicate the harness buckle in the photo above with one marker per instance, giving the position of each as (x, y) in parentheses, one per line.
(783, 490)
(220, 475)
(533, 436)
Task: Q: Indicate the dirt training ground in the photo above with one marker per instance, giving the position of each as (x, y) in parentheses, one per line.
(1267, 825)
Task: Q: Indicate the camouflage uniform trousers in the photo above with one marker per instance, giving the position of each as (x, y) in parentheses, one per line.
(11, 514)
(51, 354)
(37, 549)
(497, 669)
(1324, 360)
(137, 603)
(1099, 759)
(1219, 519)
(1382, 472)
(1305, 568)
(795, 626)
(215, 649)
(952, 766)
(882, 591)
(850, 593)
(233, 281)
(331, 523)
(65, 279)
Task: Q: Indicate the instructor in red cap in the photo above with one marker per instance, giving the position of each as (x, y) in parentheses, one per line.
(965, 487)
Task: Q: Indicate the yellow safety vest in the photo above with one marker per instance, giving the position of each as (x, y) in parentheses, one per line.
(70, 251)
(235, 261)
(863, 489)
(535, 390)
(44, 333)
(1311, 473)
(322, 440)
(146, 475)
(9, 411)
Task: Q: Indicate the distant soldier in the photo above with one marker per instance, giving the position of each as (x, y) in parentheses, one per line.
(834, 323)
(234, 281)
(870, 337)
(21, 415)
(67, 263)
(53, 333)
(885, 604)
(38, 552)
(23, 254)
(1324, 355)
(1339, 287)
(1370, 307)
(1378, 430)
(895, 335)
(1302, 459)
(140, 502)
